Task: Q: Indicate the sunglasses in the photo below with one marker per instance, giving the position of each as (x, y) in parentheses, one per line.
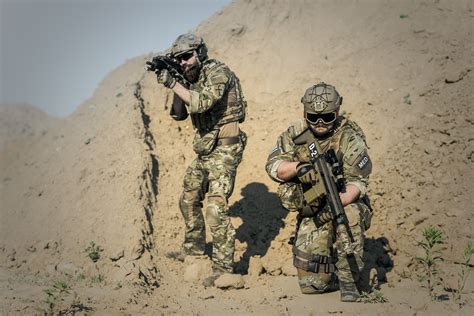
(327, 118)
(186, 56)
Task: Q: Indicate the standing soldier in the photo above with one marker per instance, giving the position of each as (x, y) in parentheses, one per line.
(214, 100)
(320, 250)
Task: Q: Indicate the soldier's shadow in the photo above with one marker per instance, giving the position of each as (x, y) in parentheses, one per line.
(262, 218)
(376, 259)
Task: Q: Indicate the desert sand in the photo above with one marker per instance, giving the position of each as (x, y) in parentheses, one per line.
(111, 172)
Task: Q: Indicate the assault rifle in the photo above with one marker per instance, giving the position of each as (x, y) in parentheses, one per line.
(169, 63)
(329, 183)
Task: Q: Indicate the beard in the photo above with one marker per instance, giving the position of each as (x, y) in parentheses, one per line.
(322, 130)
(191, 73)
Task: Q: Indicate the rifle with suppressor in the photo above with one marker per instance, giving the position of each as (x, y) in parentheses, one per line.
(329, 184)
(169, 63)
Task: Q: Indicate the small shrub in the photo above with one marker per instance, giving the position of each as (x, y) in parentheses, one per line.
(407, 99)
(433, 238)
(55, 295)
(465, 270)
(80, 276)
(96, 279)
(376, 296)
(93, 251)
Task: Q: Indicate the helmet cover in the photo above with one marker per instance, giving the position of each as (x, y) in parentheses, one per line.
(321, 98)
(188, 42)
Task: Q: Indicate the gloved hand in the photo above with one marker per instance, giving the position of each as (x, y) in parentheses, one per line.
(166, 79)
(305, 172)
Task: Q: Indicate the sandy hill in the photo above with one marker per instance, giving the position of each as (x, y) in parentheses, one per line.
(111, 172)
(22, 122)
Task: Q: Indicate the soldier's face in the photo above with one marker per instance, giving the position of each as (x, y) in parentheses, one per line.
(188, 60)
(321, 129)
(190, 65)
(321, 124)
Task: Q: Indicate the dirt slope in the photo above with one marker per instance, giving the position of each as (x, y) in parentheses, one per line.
(112, 171)
(22, 121)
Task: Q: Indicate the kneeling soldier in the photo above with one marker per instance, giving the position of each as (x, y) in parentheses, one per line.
(333, 207)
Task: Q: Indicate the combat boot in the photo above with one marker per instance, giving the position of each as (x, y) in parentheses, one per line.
(217, 271)
(349, 292)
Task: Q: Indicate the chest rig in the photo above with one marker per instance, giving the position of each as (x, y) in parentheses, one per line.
(313, 195)
(231, 107)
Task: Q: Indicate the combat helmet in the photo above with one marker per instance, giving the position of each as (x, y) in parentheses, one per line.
(321, 101)
(188, 42)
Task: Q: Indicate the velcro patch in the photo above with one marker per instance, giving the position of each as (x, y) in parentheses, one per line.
(364, 165)
(363, 162)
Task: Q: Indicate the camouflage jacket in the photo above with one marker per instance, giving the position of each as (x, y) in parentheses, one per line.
(216, 98)
(347, 140)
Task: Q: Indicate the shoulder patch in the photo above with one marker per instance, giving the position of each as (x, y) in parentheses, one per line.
(363, 164)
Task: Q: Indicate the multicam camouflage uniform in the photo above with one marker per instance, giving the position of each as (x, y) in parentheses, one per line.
(322, 243)
(217, 106)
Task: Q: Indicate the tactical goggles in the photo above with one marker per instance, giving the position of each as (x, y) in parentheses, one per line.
(186, 56)
(326, 118)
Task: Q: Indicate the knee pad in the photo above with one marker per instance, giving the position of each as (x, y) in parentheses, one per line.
(189, 203)
(215, 207)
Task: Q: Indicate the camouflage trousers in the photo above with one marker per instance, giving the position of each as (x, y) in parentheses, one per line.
(213, 174)
(331, 242)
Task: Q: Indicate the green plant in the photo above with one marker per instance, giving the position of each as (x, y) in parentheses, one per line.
(407, 99)
(93, 251)
(80, 276)
(376, 296)
(433, 238)
(465, 270)
(96, 279)
(54, 296)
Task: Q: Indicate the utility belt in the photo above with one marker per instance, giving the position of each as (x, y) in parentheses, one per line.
(313, 263)
(205, 141)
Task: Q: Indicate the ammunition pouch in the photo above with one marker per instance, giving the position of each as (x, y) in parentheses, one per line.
(204, 143)
(203, 121)
(313, 263)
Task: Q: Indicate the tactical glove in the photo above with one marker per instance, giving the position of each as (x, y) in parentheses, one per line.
(166, 79)
(305, 172)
